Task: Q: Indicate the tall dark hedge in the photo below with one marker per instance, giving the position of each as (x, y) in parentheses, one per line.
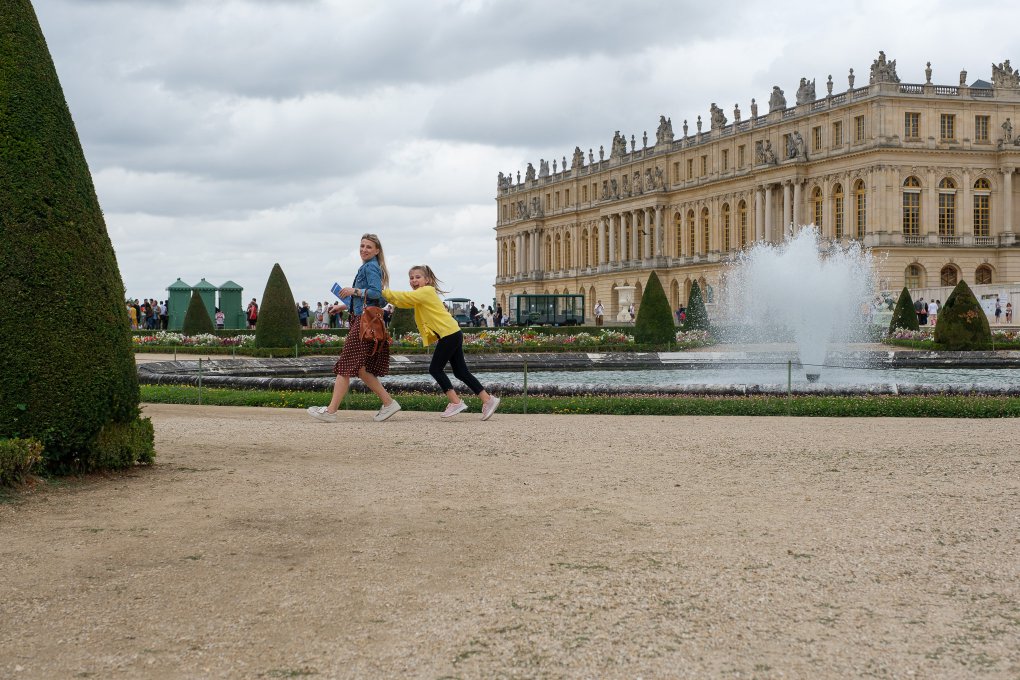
(697, 315)
(77, 394)
(196, 318)
(961, 323)
(402, 322)
(278, 324)
(903, 315)
(654, 324)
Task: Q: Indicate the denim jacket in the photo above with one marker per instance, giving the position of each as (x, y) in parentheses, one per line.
(368, 279)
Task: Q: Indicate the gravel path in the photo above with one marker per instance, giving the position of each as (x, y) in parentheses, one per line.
(264, 544)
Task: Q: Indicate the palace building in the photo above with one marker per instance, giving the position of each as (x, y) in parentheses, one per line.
(921, 174)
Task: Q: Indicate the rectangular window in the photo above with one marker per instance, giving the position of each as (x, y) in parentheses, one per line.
(947, 214)
(982, 215)
(911, 213)
(741, 155)
(861, 216)
(690, 237)
(705, 234)
(548, 202)
(725, 159)
(566, 197)
(557, 200)
(505, 212)
(584, 194)
(911, 125)
(704, 165)
(947, 127)
(816, 138)
(837, 134)
(981, 129)
(859, 129)
(676, 172)
(690, 168)
(838, 216)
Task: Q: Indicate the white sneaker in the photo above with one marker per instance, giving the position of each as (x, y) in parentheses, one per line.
(489, 407)
(320, 413)
(453, 409)
(387, 411)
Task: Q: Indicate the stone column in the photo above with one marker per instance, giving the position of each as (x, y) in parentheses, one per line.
(768, 214)
(634, 254)
(1007, 200)
(660, 237)
(647, 216)
(612, 239)
(798, 197)
(603, 253)
(787, 212)
(759, 214)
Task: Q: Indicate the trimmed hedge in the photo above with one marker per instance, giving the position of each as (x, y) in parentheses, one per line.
(278, 324)
(904, 315)
(697, 315)
(54, 248)
(196, 319)
(962, 324)
(18, 457)
(654, 324)
(402, 322)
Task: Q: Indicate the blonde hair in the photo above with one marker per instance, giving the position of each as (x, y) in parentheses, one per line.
(382, 260)
(430, 277)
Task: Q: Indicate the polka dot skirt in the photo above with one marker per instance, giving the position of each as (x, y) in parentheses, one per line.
(355, 355)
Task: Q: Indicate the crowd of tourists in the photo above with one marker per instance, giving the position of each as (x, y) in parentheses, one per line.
(152, 315)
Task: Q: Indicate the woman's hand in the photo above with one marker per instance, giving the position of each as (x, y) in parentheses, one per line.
(347, 292)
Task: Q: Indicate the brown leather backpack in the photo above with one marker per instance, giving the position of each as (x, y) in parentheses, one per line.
(373, 328)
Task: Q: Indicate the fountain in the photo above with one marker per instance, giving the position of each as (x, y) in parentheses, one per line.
(815, 293)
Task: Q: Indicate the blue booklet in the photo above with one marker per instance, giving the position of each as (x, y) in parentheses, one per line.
(336, 291)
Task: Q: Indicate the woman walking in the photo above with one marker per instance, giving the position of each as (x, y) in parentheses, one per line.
(435, 324)
(357, 357)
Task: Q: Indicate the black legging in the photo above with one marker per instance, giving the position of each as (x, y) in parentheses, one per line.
(450, 350)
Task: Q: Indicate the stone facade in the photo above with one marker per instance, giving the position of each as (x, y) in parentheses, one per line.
(921, 173)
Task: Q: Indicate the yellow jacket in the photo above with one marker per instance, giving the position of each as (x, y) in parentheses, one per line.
(430, 314)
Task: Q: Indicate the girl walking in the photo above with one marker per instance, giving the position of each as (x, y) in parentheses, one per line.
(435, 324)
(355, 358)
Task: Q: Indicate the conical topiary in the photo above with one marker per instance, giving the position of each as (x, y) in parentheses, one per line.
(77, 395)
(196, 319)
(962, 324)
(278, 324)
(654, 324)
(903, 315)
(697, 315)
(402, 322)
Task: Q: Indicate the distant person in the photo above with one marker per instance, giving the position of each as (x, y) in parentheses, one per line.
(132, 316)
(600, 313)
(220, 319)
(499, 315)
(252, 313)
(1009, 312)
(630, 310)
(489, 320)
(998, 311)
(933, 312)
(357, 359)
(436, 325)
(922, 312)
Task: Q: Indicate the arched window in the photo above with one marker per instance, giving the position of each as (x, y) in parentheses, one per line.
(742, 220)
(567, 259)
(982, 208)
(948, 276)
(502, 259)
(912, 207)
(983, 274)
(558, 256)
(726, 227)
(817, 204)
(914, 276)
(585, 254)
(705, 232)
(837, 211)
(860, 210)
(690, 232)
(947, 207)
(678, 236)
(513, 258)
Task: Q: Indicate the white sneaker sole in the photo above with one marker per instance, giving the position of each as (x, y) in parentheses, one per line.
(383, 414)
(463, 407)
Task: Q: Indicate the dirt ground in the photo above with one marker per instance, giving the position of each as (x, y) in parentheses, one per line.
(264, 545)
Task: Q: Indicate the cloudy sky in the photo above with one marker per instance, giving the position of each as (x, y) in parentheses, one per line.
(227, 135)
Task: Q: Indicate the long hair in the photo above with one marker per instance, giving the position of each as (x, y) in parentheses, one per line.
(430, 277)
(382, 260)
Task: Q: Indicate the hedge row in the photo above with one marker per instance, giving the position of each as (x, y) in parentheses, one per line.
(18, 458)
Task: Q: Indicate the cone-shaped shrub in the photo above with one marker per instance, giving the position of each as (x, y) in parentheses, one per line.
(962, 324)
(903, 315)
(196, 319)
(77, 395)
(402, 322)
(697, 315)
(278, 324)
(654, 324)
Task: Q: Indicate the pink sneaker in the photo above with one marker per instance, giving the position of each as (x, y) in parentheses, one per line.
(489, 407)
(453, 409)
